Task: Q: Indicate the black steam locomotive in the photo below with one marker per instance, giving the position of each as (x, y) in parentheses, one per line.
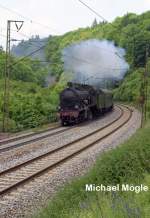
(82, 102)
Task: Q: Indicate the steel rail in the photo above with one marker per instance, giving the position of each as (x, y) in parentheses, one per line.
(28, 141)
(22, 136)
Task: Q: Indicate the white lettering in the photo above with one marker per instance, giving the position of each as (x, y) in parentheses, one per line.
(89, 187)
(125, 187)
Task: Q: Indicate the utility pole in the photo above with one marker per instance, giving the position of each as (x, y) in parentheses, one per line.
(6, 81)
(144, 89)
(146, 83)
(142, 99)
(7, 73)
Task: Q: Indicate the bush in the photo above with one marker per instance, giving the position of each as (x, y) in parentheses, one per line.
(30, 105)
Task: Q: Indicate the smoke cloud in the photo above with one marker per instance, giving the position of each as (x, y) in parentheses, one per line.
(95, 61)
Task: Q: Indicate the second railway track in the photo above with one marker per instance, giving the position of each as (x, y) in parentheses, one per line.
(20, 174)
(6, 145)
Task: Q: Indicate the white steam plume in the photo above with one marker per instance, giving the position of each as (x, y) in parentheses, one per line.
(93, 61)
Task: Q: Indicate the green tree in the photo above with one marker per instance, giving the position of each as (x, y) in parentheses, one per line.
(94, 24)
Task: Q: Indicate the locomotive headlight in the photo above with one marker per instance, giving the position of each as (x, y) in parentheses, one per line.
(59, 107)
(76, 106)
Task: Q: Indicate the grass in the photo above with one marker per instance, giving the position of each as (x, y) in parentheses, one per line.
(115, 205)
(129, 163)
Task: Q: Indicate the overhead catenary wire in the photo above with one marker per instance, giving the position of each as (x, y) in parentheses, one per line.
(23, 34)
(93, 11)
(98, 14)
(30, 54)
(102, 17)
(78, 59)
(75, 58)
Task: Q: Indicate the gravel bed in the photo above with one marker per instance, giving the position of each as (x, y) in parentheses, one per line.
(35, 194)
(29, 136)
(29, 151)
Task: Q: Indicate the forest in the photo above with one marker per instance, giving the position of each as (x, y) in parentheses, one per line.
(34, 102)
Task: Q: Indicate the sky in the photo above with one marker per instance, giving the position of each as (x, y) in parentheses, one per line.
(46, 17)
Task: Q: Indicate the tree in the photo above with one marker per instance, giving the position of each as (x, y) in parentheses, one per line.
(1, 48)
(94, 24)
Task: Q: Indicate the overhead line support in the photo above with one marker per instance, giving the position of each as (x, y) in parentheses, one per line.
(7, 70)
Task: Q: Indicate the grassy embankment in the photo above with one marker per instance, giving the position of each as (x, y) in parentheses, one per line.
(129, 163)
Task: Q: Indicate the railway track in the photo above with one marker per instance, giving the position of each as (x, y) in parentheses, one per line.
(20, 174)
(15, 142)
(26, 135)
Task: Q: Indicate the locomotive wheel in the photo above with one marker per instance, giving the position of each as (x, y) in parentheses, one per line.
(90, 115)
(63, 123)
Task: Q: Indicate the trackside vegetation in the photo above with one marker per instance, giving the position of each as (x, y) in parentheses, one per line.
(31, 105)
(129, 163)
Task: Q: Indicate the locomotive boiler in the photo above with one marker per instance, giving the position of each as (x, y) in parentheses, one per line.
(79, 102)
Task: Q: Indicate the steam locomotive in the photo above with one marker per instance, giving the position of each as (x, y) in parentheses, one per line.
(80, 102)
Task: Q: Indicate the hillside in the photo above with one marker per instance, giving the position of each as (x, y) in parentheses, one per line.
(131, 32)
(26, 47)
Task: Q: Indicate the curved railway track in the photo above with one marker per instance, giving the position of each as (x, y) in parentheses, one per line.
(18, 175)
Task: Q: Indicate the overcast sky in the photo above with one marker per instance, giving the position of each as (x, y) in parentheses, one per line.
(60, 16)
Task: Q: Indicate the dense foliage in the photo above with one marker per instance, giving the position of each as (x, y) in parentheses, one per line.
(31, 105)
(31, 102)
(131, 32)
(26, 69)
